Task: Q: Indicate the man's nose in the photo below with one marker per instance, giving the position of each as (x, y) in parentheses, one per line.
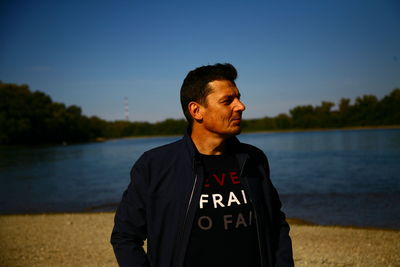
(240, 106)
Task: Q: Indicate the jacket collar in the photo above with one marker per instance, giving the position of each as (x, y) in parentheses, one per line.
(233, 145)
(191, 148)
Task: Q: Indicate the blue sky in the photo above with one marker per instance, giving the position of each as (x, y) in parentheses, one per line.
(288, 53)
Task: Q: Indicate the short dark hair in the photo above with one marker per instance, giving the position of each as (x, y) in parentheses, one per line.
(195, 86)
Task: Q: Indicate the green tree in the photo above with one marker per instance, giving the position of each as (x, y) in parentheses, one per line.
(323, 115)
(344, 112)
(283, 121)
(303, 116)
(365, 110)
(390, 108)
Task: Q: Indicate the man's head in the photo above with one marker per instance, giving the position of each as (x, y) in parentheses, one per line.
(196, 87)
(212, 85)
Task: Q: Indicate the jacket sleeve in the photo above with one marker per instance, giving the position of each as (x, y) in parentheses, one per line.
(129, 230)
(283, 252)
(283, 243)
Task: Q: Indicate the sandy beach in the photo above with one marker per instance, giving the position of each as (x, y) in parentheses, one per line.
(82, 239)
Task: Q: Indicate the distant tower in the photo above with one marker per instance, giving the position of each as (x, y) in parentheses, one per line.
(126, 108)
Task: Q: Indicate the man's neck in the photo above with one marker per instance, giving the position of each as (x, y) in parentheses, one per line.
(208, 143)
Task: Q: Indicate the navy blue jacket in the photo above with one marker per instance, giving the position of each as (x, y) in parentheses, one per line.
(161, 200)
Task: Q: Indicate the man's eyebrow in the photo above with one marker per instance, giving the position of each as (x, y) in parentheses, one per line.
(235, 95)
(230, 96)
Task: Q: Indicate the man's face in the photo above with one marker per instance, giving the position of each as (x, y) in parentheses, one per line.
(222, 113)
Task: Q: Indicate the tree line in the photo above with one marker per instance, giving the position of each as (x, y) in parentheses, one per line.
(367, 110)
(28, 117)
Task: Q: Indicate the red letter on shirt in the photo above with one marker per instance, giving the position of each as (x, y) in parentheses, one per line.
(234, 178)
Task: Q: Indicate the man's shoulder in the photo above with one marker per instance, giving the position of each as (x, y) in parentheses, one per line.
(253, 151)
(249, 147)
(169, 149)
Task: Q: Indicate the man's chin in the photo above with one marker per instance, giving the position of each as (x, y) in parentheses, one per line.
(238, 131)
(235, 131)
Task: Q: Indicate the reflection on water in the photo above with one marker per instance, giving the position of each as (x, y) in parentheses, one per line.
(329, 177)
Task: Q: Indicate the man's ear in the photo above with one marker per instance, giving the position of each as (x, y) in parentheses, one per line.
(195, 111)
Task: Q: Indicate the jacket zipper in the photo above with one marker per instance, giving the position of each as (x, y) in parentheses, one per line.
(185, 221)
(190, 200)
(194, 167)
(255, 212)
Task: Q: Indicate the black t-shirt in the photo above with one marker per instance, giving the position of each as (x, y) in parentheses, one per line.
(224, 229)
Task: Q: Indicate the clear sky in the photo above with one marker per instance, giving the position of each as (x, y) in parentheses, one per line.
(288, 53)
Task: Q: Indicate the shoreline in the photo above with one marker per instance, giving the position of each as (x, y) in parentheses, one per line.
(294, 130)
(82, 239)
(349, 128)
(301, 222)
(291, 221)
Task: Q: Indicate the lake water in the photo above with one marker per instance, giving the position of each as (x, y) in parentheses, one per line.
(340, 177)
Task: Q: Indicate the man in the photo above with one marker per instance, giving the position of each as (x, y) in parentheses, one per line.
(207, 199)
